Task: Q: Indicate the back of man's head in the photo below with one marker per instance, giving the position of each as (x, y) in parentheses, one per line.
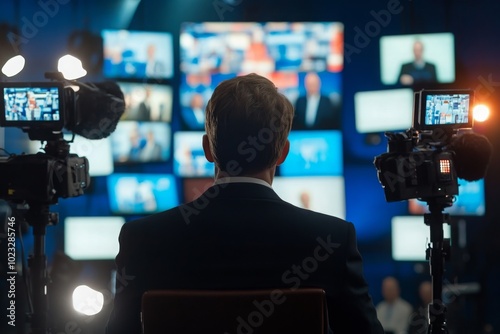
(247, 124)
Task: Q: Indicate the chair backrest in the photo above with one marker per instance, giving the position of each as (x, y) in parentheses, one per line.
(300, 311)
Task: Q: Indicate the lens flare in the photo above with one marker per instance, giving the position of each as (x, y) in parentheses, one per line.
(87, 301)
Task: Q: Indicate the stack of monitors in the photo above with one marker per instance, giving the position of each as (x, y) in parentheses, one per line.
(142, 64)
(302, 59)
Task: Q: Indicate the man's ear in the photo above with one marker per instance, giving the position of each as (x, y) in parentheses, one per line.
(284, 153)
(206, 149)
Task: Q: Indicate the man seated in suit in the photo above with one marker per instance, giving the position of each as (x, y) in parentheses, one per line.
(314, 110)
(239, 234)
(418, 71)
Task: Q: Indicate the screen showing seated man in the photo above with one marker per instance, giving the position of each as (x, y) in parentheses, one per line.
(447, 109)
(32, 104)
(417, 60)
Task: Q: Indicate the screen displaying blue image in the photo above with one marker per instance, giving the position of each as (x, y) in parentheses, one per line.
(470, 201)
(314, 153)
(137, 54)
(141, 142)
(142, 193)
(189, 158)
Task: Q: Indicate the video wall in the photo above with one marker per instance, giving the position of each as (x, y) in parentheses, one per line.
(154, 160)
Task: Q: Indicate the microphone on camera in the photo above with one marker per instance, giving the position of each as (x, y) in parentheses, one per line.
(472, 155)
(99, 108)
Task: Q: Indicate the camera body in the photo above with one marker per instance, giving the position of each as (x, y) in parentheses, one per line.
(418, 163)
(41, 109)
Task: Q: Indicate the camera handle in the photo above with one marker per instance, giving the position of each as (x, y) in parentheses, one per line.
(39, 217)
(437, 253)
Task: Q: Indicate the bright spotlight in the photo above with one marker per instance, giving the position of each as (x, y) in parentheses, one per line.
(71, 67)
(481, 113)
(87, 301)
(13, 66)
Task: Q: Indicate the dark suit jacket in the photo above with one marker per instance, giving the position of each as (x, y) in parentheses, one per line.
(242, 236)
(327, 115)
(427, 74)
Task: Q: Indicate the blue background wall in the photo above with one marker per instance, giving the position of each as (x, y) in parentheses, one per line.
(476, 28)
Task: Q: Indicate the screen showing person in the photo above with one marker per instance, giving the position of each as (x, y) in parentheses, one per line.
(92, 238)
(31, 104)
(314, 153)
(325, 194)
(141, 142)
(410, 236)
(417, 59)
(147, 102)
(314, 109)
(137, 54)
(383, 110)
(189, 158)
(470, 201)
(284, 52)
(142, 193)
(447, 109)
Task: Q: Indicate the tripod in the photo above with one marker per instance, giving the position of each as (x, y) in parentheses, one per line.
(39, 217)
(437, 252)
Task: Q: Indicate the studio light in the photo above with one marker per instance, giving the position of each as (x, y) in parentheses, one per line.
(87, 300)
(10, 59)
(71, 67)
(13, 66)
(481, 113)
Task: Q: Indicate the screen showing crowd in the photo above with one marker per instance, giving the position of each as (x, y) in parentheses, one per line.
(31, 104)
(303, 59)
(447, 109)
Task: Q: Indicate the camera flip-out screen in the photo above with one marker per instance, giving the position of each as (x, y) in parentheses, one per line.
(33, 105)
(445, 109)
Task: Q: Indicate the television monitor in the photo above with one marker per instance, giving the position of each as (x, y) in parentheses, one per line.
(325, 194)
(470, 201)
(410, 237)
(141, 142)
(435, 52)
(147, 102)
(383, 110)
(314, 153)
(284, 52)
(142, 193)
(137, 54)
(92, 238)
(193, 188)
(189, 158)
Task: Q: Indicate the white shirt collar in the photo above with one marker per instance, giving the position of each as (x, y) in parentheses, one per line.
(242, 179)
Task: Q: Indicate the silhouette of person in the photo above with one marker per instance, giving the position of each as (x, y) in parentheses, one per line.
(418, 71)
(315, 111)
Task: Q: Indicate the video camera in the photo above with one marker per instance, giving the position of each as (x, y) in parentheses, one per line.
(43, 110)
(425, 161)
